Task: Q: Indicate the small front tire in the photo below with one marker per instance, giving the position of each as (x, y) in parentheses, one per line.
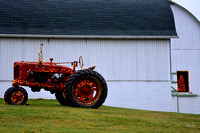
(16, 96)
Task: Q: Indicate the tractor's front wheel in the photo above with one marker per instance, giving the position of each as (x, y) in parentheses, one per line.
(87, 89)
(16, 96)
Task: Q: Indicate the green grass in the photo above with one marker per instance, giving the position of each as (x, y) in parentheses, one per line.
(49, 116)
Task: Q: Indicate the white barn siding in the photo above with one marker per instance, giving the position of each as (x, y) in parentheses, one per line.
(140, 95)
(141, 60)
(185, 54)
(187, 28)
(10, 50)
(137, 71)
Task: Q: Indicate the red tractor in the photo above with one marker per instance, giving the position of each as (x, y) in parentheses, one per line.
(83, 88)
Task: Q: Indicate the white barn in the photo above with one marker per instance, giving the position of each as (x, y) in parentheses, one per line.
(185, 56)
(129, 40)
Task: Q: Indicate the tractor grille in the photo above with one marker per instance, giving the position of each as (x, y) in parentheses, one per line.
(16, 71)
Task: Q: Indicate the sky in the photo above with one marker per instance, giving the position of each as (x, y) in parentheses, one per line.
(191, 5)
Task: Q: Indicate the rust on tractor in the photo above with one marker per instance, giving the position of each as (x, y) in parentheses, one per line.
(41, 75)
(83, 88)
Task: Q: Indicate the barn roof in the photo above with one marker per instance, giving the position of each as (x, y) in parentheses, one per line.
(87, 18)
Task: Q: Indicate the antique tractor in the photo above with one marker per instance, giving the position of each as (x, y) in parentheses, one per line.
(82, 88)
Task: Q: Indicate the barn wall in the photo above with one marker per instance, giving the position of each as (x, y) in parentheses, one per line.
(185, 54)
(140, 95)
(127, 94)
(137, 71)
(138, 60)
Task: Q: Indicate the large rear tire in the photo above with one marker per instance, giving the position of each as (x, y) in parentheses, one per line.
(16, 96)
(61, 98)
(87, 89)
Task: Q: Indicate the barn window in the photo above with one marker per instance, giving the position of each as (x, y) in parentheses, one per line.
(183, 81)
(183, 85)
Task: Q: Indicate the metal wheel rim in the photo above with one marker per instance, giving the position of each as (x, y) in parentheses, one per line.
(87, 90)
(17, 97)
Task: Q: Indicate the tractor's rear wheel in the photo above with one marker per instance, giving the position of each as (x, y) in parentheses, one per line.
(16, 96)
(87, 89)
(61, 98)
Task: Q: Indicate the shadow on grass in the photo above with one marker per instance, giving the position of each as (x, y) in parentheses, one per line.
(43, 102)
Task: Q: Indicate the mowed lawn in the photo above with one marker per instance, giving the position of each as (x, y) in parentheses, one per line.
(49, 116)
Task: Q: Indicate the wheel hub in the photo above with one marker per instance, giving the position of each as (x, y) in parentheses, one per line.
(17, 97)
(86, 90)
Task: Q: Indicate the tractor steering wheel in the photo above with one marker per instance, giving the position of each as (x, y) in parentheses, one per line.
(80, 62)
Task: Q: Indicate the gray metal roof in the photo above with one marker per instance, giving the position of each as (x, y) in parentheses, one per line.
(87, 17)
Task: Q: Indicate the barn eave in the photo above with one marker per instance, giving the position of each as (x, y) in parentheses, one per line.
(85, 36)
